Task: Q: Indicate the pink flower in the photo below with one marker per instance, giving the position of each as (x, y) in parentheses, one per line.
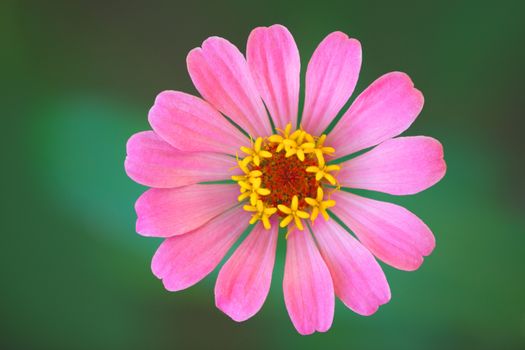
(283, 178)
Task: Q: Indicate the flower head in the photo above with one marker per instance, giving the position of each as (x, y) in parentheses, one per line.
(284, 177)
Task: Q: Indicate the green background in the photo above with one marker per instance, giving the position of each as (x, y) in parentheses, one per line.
(79, 78)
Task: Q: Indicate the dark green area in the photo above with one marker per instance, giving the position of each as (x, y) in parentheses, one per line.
(79, 78)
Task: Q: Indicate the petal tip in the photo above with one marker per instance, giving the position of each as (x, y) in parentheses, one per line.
(172, 286)
(413, 266)
(215, 40)
(263, 29)
(192, 56)
(338, 35)
(222, 303)
(157, 263)
(164, 95)
(140, 230)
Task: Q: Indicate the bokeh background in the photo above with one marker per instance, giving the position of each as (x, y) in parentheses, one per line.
(78, 79)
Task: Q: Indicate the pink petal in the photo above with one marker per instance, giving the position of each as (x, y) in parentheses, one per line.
(153, 162)
(404, 165)
(244, 281)
(358, 279)
(182, 261)
(308, 288)
(220, 73)
(390, 232)
(166, 212)
(274, 61)
(330, 80)
(384, 110)
(190, 124)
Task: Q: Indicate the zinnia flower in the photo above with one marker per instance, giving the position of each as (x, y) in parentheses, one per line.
(285, 174)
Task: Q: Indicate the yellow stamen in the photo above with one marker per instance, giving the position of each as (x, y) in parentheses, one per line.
(322, 170)
(252, 189)
(248, 174)
(293, 147)
(279, 139)
(261, 212)
(293, 213)
(256, 153)
(319, 146)
(318, 205)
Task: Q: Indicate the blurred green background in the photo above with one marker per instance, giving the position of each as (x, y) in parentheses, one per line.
(79, 78)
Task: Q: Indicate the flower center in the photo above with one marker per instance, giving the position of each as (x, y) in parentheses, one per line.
(287, 177)
(286, 174)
